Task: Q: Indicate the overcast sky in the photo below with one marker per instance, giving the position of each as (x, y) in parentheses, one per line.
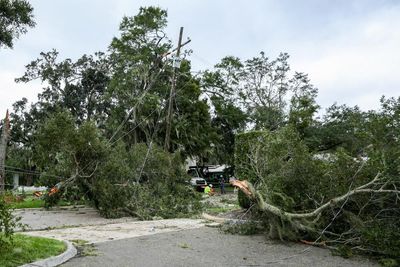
(350, 49)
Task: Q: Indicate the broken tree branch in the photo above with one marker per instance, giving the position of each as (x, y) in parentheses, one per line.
(251, 192)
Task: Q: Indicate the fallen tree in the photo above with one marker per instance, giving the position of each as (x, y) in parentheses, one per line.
(307, 221)
(141, 180)
(337, 199)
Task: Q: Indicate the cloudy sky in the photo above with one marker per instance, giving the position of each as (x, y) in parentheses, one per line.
(350, 49)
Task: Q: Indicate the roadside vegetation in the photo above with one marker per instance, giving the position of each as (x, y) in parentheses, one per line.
(18, 249)
(26, 249)
(29, 201)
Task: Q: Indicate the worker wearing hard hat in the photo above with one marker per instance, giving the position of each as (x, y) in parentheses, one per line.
(209, 190)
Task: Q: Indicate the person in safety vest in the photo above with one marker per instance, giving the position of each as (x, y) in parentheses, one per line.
(208, 190)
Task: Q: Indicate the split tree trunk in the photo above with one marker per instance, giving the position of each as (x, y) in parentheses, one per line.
(3, 149)
(305, 221)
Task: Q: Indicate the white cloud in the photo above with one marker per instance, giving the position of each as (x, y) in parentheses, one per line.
(359, 63)
(11, 92)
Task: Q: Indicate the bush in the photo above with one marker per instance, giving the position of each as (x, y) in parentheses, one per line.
(7, 223)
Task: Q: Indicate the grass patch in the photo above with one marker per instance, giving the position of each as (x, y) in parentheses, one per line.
(184, 245)
(84, 248)
(220, 209)
(28, 204)
(26, 249)
(31, 202)
(88, 251)
(229, 189)
(79, 242)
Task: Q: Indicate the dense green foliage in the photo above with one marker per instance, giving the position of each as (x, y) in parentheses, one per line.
(145, 183)
(116, 179)
(96, 129)
(291, 172)
(15, 17)
(256, 93)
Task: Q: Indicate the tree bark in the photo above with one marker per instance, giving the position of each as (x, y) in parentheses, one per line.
(3, 149)
(251, 192)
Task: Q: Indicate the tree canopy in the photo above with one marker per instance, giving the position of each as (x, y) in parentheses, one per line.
(15, 17)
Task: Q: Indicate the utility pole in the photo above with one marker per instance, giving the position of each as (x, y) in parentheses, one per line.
(172, 94)
(3, 148)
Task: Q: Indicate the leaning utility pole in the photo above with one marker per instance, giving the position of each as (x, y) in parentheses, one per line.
(3, 148)
(172, 93)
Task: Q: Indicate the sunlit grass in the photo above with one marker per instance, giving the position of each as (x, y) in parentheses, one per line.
(31, 202)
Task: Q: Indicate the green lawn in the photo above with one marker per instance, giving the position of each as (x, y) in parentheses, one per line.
(216, 210)
(228, 188)
(31, 202)
(28, 203)
(221, 207)
(27, 249)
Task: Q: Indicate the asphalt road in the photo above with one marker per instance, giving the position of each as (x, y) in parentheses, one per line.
(209, 247)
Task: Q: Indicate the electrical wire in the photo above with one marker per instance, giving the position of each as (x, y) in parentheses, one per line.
(144, 120)
(12, 169)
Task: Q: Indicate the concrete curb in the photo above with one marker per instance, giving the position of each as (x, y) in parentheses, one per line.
(55, 260)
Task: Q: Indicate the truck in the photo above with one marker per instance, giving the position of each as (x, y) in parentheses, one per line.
(212, 174)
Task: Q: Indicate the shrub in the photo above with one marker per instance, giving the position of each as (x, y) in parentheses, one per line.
(7, 223)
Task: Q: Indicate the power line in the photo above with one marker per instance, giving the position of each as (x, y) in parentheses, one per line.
(151, 113)
(143, 120)
(203, 60)
(17, 170)
(147, 89)
(172, 93)
(137, 103)
(22, 172)
(12, 169)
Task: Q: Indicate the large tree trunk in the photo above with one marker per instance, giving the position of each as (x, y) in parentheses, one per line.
(3, 149)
